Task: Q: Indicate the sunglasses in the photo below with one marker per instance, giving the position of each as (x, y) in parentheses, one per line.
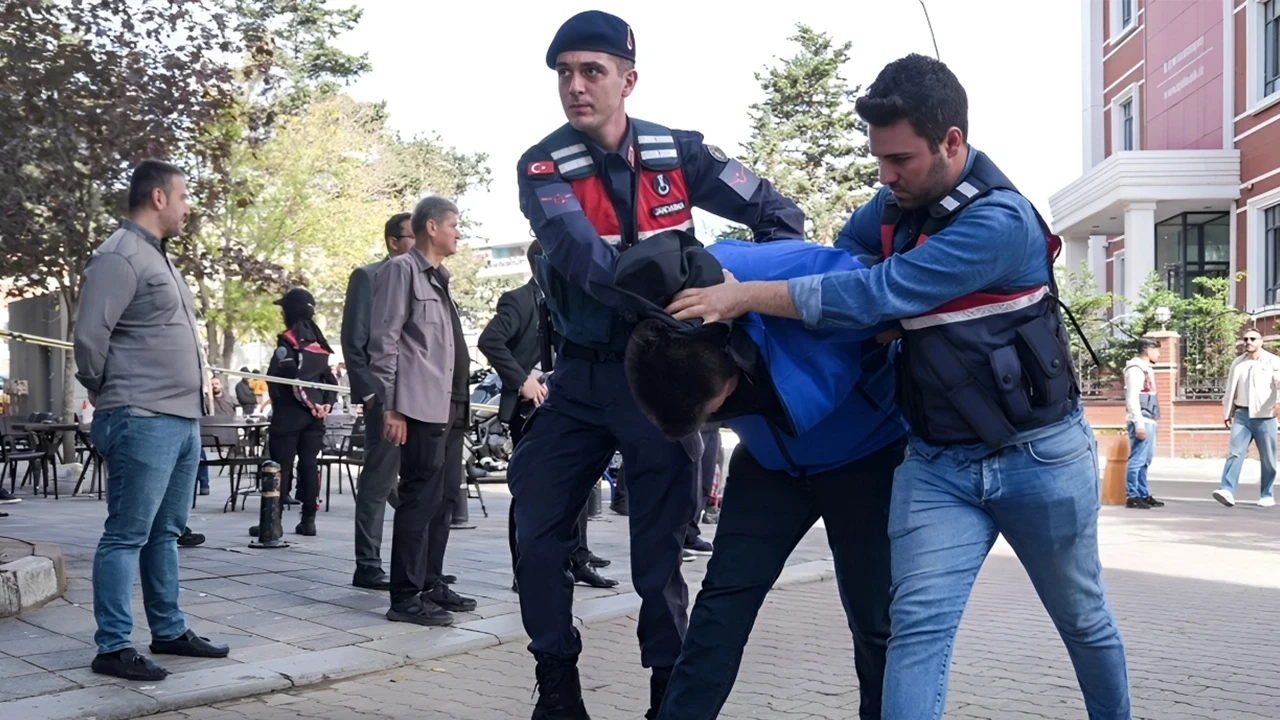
(1252, 339)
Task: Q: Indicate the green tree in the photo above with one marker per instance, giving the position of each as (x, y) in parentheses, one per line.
(1078, 290)
(88, 89)
(806, 138)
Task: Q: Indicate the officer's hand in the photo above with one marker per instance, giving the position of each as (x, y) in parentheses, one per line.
(394, 427)
(1227, 423)
(713, 304)
(533, 391)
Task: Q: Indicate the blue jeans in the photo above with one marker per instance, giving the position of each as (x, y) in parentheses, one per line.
(151, 473)
(1140, 454)
(949, 503)
(1261, 431)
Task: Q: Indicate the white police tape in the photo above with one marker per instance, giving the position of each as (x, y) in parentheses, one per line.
(63, 345)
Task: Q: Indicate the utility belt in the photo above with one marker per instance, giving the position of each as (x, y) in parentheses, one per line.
(578, 352)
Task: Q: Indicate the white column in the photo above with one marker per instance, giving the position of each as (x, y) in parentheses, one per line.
(1139, 248)
(1075, 252)
(1091, 52)
(1098, 260)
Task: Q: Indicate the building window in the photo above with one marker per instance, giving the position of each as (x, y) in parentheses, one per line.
(1126, 13)
(1271, 242)
(1190, 246)
(1126, 124)
(1270, 47)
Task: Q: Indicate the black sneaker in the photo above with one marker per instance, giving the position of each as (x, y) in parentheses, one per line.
(448, 579)
(8, 498)
(585, 575)
(445, 597)
(371, 579)
(1153, 502)
(698, 546)
(597, 562)
(190, 539)
(188, 644)
(687, 556)
(559, 690)
(1137, 503)
(128, 664)
(418, 611)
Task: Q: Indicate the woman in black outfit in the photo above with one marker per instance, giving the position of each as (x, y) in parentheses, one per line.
(297, 414)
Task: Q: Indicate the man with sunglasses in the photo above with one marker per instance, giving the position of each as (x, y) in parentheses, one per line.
(1249, 412)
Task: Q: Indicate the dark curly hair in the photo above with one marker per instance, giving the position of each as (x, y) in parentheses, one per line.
(673, 376)
(921, 90)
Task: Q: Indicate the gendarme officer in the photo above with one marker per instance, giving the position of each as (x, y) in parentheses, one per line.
(592, 188)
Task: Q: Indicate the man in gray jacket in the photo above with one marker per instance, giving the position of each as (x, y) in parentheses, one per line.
(138, 354)
(381, 459)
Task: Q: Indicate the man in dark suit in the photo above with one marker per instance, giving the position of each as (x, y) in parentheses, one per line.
(512, 342)
(381, 459)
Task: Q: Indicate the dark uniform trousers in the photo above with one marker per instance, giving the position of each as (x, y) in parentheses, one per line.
(581, 554)
(568, 444)
(763, 516)
(296, 434)
(421, 524)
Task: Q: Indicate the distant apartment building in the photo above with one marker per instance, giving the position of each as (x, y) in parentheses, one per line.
(504, 257)
(1181, 148)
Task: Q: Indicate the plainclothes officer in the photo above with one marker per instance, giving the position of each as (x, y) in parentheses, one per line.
(999, 443)
(600, 183)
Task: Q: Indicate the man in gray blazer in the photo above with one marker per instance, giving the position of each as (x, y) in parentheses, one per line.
(420, 364)
(381, 459)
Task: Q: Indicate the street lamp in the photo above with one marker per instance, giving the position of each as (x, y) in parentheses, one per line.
(1162, 317)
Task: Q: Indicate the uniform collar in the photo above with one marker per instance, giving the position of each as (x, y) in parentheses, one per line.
(626, 150)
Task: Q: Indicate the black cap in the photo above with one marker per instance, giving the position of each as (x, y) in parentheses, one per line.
(652, 272)
(596, 31)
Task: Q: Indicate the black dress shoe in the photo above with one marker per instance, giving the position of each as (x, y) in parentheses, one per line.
(445, 597)
(190, 539)
(1153, 502)
(596, 561)
(419, 612)
(370, 580)
(1137, 503)
(188, 644)
(587, 576)
(448, 579)
(128, 664)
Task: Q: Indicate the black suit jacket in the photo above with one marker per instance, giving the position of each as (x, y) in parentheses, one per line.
(510, 342)
(355, 330)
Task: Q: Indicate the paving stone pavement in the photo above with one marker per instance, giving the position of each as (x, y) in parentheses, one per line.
(273, 606)
(1184, 663)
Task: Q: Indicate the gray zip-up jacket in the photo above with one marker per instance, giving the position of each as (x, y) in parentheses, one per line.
(136, 339)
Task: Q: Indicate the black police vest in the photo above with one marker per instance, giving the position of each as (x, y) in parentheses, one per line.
(579, 317)
(989, 365)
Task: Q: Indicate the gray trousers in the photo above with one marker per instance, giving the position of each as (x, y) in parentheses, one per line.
(378, 480)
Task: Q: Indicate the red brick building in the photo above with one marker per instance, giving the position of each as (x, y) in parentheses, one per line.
(1181, 162)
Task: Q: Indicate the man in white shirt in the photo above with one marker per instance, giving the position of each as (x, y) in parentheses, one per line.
(1142, 411)
(1248, 410)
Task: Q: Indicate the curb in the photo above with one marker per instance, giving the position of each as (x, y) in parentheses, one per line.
(203, 686)
(35, 575)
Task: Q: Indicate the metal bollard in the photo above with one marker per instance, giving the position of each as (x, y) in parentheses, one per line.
(593, 501)
(269, 508)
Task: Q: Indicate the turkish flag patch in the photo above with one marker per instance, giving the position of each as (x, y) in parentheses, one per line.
(542, 167)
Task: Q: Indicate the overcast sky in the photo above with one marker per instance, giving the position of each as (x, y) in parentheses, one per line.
(474, 72)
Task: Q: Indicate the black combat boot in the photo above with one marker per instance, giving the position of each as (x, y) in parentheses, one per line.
(559, 690)
(308, 525)
(657, 690)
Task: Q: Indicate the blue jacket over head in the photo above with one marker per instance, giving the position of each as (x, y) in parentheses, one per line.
(836, 385)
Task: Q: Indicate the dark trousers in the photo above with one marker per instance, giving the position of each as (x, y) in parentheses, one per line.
(580, 554)
(421, 496)
(295, 437)
(706, 477)
(765, 513)
(438, 539)
(377, 480)
(588, 413)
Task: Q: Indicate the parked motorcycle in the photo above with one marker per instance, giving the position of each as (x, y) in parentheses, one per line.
(487, 447)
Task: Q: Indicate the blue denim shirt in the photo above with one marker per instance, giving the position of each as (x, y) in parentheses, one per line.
(996, 241)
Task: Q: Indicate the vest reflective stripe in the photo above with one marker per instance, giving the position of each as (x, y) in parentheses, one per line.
(976, 307)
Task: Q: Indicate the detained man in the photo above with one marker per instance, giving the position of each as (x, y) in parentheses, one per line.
(820, 437)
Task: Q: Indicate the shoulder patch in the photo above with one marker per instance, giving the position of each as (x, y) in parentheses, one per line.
(542, 167)
(716, 152)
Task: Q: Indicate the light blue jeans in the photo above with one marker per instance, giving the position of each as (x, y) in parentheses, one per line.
(949, 503)
(151, 474)
(1261, 431)
(1140, 454)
